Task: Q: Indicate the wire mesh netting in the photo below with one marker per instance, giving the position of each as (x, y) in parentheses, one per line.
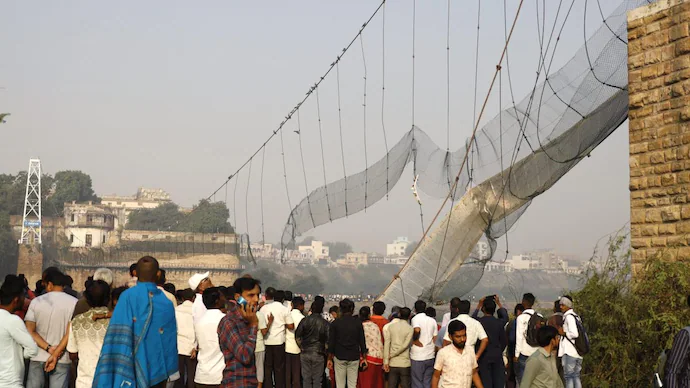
(519, 154)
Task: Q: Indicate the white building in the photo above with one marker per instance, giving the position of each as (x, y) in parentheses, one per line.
(353, 259)
(143, 199)
(481, 251)
(395, 260)
(319, 251)
(264, 251)
(524, 262)
(89, 225)
(498, 267)
(398, 247)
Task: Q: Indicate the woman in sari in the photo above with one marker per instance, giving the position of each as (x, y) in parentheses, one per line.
(372, 376)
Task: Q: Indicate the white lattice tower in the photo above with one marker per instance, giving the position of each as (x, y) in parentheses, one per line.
(31, 222)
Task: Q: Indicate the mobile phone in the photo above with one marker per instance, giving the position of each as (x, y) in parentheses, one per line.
(242, 302)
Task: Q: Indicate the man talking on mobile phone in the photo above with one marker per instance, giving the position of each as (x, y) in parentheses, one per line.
(237, 335)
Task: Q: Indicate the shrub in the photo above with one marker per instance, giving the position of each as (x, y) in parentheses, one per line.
(630, 318)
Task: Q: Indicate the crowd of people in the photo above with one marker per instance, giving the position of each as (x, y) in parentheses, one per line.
(147, 334)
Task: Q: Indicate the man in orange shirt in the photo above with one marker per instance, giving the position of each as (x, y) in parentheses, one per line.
(378, 309)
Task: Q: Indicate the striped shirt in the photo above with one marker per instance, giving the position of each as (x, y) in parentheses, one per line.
(678, 364)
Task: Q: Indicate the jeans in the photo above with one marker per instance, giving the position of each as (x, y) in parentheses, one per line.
(422, 372)
(492, 373)
(313, 366)
(520, 367)
(346, 373)
(399, 376)
(58, 378)
(571, 371)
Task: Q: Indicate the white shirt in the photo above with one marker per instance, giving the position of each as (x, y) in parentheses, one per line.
(198, 308)
(52, 313)
(16, 344)
(456, 368)
(168, 295)
(209, 369)
(290, 341)
(475, 330)
(86, 338)
(186, 338)
(570, 329)
(521, 345)
(428, 330)
(446, 319)
(260, 346)
(281, 317)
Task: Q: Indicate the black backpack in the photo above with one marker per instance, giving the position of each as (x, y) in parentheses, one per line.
(536, 322)
(581, 343)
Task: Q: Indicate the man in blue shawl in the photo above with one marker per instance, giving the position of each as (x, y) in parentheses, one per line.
(140, 347)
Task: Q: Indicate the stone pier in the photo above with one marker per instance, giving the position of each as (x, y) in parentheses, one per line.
(659, 92)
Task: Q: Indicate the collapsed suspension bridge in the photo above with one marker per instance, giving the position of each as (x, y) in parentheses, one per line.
(489, 182)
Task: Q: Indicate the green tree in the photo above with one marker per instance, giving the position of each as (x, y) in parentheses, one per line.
(164, 216)
(630, 319)
(337, 249)
(8, 247)
(309, 284)
(306, 241)
(207, 217)
(268, 278)
(12, 191)
(70, 186)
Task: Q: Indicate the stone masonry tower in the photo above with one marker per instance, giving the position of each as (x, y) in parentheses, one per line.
(659, 87)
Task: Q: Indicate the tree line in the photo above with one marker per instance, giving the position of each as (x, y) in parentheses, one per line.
(206, 217)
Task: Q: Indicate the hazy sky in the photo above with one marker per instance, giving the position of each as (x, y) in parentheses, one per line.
(177, 94)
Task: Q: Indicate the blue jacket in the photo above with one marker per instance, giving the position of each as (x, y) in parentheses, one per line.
(140, 346)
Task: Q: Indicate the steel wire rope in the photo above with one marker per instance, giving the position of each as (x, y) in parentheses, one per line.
(501, 157)
(263, 230)
(364, 125)
(340, 129)
(383, 95)
(246, 198)
(603, 19)
(452, 197)
(542, 148)
(282, 153)
(541, 98)
(503, 182)
(414, 141)
(472, 145)
(448, 155)
(464, 161)
(234, 203)
(528, 109)
(290, 114)
(299, 104)
(323, 156)
(304, 169)
(589, 60)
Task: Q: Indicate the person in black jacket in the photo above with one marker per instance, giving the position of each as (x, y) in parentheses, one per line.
(312, 336)
(492, 369)
(347, 346)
